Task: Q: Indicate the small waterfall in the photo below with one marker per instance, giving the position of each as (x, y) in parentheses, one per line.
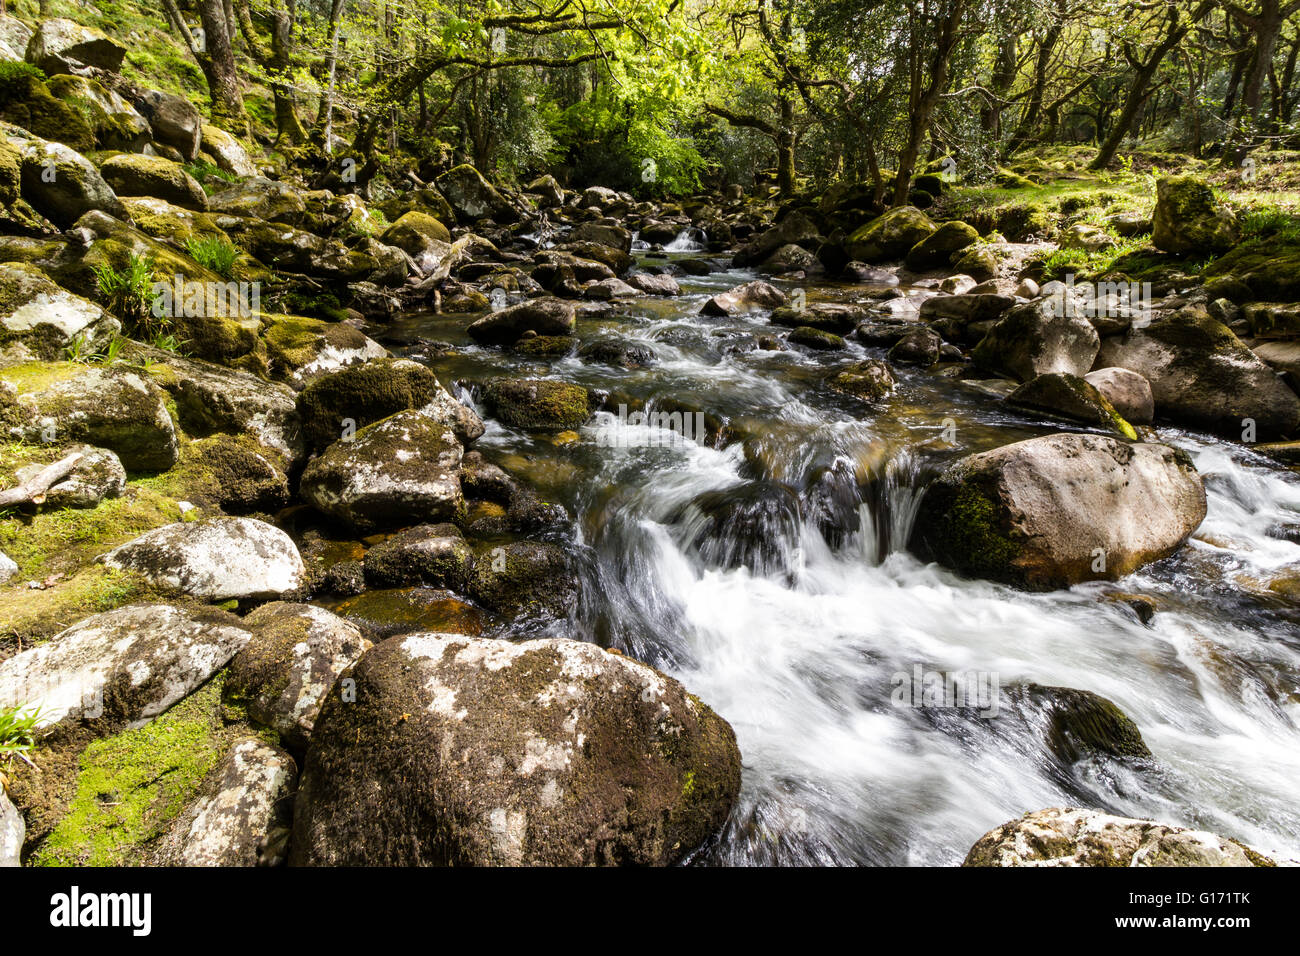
(685, 241)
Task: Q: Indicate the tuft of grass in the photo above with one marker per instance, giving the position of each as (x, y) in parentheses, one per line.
(211, 178)
(128, 294)
(214, 253)
(18, 732)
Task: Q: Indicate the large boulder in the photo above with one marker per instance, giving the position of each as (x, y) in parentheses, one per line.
(31, 103)
(431, 555)
(544, 316)
(112, 119)
(525, 577)
(262, 199)
(63, 185)
(229, 153)
(889, 236)
(1053, 511)
(403, 469)
(604, 234)
(1188, 219)
(301, 349)
(1202, 375)
(361, 394)
(420, 236)
(45, 317)
(1036, 338)
(121, 668)
(239, 817)
(473, 197)
(106, 407)
(215, 560)
(281, 676)
(60, 45)
(1067, 836)
(937, 249)
(130, 174)
(464, 751)
(795, 229)
(174, 120)
(209, 398)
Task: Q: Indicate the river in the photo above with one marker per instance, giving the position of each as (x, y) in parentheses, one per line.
(770, 576)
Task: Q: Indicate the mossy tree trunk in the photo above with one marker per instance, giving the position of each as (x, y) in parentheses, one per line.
(217, 61)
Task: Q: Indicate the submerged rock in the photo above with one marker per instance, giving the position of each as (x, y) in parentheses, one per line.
(464, 751)
(1065, 836)
(1054, 511)
(215, 560)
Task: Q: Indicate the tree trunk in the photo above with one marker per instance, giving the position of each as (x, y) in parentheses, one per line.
(925, 100)
(218, 64)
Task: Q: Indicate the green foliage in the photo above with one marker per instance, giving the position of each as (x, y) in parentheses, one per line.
(211, 178)
(18, 732)
(213, 252)
(128, 294)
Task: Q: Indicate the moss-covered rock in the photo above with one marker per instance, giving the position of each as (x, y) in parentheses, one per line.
(107, 407)
(939, 247)
(816, 339)
(28, 102)
(47, 318)
(1036, 338)
(301, 349)
(1073, 837)
(404, 468)
(130, 174)
(870, 380)
(554, 752)
(361, 394)
(1189, 219)
(61, 45)
(113, 120)
(1081, 724)
(889, 236)
(128, 788)
(431, 555)
(1201, 374)
(61, 184)
(1062, 395)
(539, 404)
(281, 676)
(473, 197)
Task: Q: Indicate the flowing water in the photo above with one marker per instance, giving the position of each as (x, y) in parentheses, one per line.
(766, 569)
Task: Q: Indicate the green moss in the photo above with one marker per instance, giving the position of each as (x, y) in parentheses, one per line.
(973, 534)
(31, 106)
(38, 376)
(61, 542)
(538, 403)
(132, 785)
(32, 616)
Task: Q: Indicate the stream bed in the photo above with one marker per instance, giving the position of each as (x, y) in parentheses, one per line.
(767, 571)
